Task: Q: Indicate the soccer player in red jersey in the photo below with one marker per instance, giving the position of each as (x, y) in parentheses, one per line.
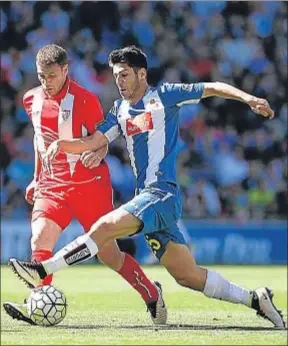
(61, 109)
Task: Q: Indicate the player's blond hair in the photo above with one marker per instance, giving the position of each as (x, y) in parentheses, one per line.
(51, 54)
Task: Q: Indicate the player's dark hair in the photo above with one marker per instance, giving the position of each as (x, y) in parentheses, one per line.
(51, 54)
(131, 55)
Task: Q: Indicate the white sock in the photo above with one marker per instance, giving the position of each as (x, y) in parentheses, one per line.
(79, 250)
(219, 288)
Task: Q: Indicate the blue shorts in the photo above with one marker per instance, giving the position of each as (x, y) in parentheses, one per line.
(158, 207)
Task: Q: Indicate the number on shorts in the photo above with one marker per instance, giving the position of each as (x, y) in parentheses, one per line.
(154, 244)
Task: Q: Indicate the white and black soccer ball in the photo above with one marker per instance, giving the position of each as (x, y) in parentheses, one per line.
(46, 306)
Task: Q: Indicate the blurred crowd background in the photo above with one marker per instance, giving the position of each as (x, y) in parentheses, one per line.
(232, 163)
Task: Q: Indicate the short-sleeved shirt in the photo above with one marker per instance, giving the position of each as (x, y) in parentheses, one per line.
(151, 129)
(73, 113)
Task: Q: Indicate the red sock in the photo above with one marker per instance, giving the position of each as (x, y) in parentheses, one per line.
(42, 255)
(132, 273)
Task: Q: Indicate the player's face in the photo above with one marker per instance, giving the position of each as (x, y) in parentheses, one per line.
(127, 80)
(52, 77)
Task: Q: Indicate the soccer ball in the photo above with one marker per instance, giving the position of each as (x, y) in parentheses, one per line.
(46, 306)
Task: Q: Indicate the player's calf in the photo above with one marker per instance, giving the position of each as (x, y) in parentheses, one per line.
(45, 233)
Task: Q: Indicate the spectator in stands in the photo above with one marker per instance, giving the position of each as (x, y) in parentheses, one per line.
(241, 160)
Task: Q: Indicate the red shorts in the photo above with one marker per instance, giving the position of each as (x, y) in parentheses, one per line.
(86, 202)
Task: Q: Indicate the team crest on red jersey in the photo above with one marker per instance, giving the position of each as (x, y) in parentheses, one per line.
(141, 123)
(36, 114)
(65, 113)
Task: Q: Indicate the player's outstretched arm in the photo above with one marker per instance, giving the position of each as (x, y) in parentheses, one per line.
(227, 91)
(76, 145)
(92, 159)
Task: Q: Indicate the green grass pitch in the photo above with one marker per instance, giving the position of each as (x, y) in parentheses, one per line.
(104, 310)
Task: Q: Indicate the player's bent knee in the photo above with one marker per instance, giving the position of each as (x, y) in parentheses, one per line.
(114, 225)
(106, 224)
(102, 225)
(45, 234)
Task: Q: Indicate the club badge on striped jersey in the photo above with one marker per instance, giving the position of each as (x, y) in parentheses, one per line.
(154, 104)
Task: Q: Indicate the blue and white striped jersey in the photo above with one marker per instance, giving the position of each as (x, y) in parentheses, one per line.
(151, 129)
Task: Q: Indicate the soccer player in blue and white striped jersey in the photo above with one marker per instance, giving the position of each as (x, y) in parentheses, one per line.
(148, 119)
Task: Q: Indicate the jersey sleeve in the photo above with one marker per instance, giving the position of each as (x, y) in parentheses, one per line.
(177, 94)
(27, 104)
(94, 113)
(110, 126)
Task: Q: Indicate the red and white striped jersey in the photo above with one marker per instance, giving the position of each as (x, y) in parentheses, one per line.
(74, 112)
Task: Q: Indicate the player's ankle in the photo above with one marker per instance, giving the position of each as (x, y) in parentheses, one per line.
(47, 268)
(153, 299)
(254, 301)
